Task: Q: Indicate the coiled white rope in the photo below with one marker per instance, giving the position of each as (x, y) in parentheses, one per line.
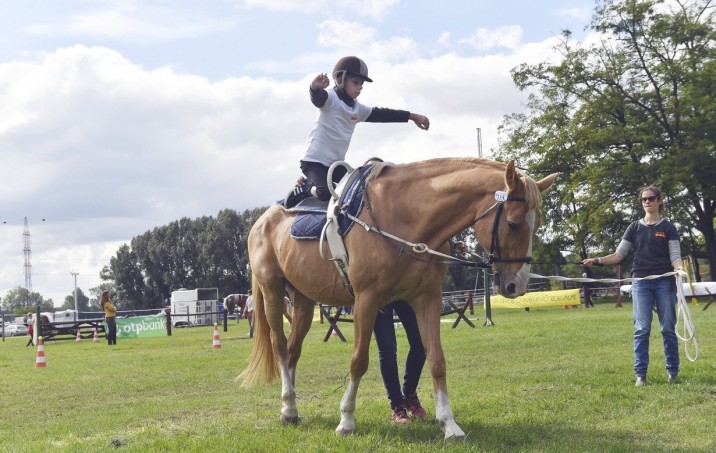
(683, 313)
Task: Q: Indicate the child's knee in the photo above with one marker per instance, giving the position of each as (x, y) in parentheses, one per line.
(322, 193)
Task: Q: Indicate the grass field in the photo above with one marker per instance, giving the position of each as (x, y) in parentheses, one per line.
(544, 380)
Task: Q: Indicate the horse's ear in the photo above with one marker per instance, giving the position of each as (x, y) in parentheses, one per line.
(512, 179)
(543, 184)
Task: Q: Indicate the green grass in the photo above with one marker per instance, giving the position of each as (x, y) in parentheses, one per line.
(544, 380)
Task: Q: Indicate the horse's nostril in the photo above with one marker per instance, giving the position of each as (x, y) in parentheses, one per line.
(510, 288)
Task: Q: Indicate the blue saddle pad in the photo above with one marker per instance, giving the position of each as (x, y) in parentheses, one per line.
(311, 212)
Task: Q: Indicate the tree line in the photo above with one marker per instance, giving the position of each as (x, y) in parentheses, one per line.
(206, 252)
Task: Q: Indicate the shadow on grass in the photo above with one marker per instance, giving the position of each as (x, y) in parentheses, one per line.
(483, 437)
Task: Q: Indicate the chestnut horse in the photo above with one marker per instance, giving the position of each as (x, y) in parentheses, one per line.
(397, 252)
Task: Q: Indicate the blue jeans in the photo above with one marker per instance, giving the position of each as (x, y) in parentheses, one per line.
(645, 294)
(384, 332)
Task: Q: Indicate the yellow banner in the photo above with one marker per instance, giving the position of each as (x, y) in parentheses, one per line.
(538, 299)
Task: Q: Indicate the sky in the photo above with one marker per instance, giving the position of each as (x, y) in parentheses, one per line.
(117, 117)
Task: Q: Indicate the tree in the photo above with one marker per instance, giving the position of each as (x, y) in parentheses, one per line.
(633, 109)
(20, 301)
(205, 252)
(82, 302)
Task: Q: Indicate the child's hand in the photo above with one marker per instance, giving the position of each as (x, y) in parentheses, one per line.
(321, 82)
(421, 121)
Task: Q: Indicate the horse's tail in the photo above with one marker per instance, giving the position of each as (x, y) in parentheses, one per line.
(262, 362)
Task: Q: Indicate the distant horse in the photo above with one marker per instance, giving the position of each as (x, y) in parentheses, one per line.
(398, 252)
(233, 301)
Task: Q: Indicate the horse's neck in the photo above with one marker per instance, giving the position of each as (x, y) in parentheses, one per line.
(437, 199)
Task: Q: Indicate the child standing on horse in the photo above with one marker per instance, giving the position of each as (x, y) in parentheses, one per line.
(339, 113)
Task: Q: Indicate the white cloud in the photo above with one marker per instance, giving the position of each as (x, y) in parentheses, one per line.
(582, 14)
(375, 9)
(132, 22)
(444, 39)
(508, 37)
(343, 34)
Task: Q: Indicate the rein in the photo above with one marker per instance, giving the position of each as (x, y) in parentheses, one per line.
(418, 247)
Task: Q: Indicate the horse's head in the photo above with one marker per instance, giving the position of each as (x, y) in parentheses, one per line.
(230, 303)
(510, 230)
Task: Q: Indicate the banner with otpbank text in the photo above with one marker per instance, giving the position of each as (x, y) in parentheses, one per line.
(141, 326)
(538, 299)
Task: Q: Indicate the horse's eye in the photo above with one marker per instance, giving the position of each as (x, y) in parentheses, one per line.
(513, 225)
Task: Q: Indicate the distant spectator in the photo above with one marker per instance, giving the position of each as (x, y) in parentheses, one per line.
(110, 314)
(250, 313)
(30, 331)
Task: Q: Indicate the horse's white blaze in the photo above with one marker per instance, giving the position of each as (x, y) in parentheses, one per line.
(348, 407)
(522, 277)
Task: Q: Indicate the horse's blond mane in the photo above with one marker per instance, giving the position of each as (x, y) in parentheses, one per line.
(532, 193)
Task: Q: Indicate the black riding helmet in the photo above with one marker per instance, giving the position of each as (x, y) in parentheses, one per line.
(350, 65)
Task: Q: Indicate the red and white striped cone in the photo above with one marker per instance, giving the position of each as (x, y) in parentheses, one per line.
(96, 337)
(40, 361)
(217, 340)
(79, 337)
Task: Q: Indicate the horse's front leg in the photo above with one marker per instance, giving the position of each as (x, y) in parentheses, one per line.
(363, 320)
(428, 315)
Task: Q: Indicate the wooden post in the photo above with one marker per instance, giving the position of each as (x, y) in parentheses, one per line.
(488, 309)
(168, 312)
(619, 287)
(226, 319)
(37, 332)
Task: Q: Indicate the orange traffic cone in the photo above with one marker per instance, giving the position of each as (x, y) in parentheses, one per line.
(217, 341)
(40, 361)
(79, 337)
(96, 337)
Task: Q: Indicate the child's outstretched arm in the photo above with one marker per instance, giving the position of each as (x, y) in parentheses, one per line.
(420, 120)
(321, 82)
(318, 90)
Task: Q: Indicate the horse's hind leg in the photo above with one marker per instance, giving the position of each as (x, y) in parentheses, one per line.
(303, 309)
(273, 297)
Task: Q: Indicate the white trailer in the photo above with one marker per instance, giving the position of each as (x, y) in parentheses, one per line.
(195, 307)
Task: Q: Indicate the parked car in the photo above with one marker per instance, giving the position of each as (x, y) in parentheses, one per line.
(15, 330)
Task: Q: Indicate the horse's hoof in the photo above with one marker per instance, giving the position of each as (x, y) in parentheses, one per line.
(286, 420)
(453, 432)
(343, 431)
(456, 437)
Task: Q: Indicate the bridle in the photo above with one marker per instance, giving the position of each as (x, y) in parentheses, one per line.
(495, 256)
